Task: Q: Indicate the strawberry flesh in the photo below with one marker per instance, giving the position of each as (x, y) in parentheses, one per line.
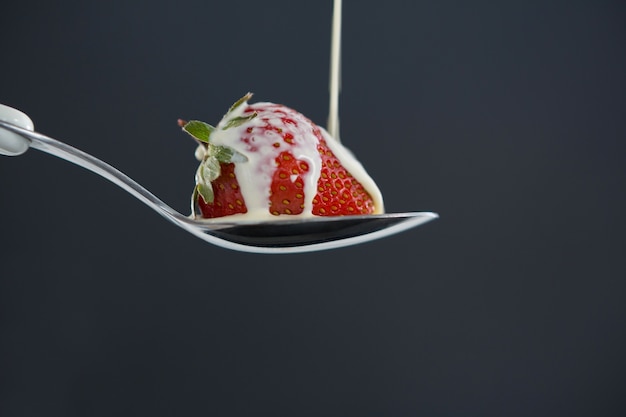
(287, 190)
(338, 193)
(227, 198)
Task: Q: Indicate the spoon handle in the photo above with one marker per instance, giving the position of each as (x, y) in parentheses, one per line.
(76, 156)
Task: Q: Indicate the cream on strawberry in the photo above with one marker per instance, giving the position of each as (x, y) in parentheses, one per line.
(266, 160)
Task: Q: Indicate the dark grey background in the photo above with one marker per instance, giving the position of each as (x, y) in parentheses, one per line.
(507, 118)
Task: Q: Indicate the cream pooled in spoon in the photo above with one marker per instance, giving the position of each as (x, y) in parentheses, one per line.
(267, 161)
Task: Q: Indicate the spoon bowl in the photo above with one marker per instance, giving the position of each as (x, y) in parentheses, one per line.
(262, 236)
(304, 235)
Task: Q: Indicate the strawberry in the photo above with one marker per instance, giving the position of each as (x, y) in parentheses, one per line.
(217, 192)
(266, 158)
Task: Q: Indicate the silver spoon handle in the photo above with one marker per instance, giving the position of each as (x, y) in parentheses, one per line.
(93, 164)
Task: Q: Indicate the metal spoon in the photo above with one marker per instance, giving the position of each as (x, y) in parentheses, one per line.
(280, 236)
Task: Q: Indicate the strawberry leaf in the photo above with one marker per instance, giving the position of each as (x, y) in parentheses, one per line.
(221, 153)
(206, 192)
(238, 121)
(199, 130)
(224, 154)
(209, 170)
(240, 102)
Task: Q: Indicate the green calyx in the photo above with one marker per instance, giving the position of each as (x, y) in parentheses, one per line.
(214, 155)
(239, 102)
(199, 130)
(208, 171)
(238, 120)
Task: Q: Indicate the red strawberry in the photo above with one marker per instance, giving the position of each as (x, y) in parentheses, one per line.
(227, 198)
(338, 192)
(287, 196)
(288, 165)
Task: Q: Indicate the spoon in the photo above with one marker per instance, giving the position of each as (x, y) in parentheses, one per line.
(276, 236)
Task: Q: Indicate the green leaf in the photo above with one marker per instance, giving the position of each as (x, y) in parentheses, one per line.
(240, 102)
(209, 170)
(238, 121)
(225, 154)
(221, 153)
(199, 130)
(206, 192)
(194, 201)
